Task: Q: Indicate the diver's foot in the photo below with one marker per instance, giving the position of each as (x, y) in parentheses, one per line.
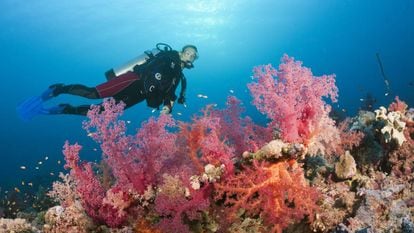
(59, 109)
(57, 89)
(53, 91)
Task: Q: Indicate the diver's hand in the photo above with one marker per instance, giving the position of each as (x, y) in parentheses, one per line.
(181, 100)
(165, 110)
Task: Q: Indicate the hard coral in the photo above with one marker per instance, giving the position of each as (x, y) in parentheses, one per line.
(16, 225)
(394, 126)
(67, 219)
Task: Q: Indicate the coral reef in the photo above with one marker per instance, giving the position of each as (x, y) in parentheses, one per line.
(220, 172)
(292, 98)
(345, 168)
(16, 225)
(393, 125)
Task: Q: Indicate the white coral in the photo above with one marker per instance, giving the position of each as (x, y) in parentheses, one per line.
(211, 174)
(394, 126)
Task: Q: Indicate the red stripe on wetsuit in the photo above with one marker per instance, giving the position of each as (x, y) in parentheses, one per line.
(114, 86)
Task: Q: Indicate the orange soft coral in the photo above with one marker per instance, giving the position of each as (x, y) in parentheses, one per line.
(277, 193)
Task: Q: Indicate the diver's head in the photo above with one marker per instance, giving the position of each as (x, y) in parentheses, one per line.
(188, 55)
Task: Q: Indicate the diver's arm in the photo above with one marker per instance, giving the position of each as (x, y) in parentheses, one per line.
(169, 99)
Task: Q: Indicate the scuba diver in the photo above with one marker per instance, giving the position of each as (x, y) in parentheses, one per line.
(153, 76)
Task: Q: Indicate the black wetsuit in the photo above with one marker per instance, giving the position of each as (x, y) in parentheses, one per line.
(154, 81)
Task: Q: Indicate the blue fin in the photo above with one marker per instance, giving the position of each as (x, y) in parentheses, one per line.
(48, 94)
(34, 105)
(54, 110)
(30, 108)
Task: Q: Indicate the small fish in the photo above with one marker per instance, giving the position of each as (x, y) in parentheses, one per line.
(128, 122)
(46, 158)
(361, 99)
(22, 182)
(94, 149)
(153, 110)
(231, 91)
(17, 189)
(202, 96)
(179, 113)
(90, 134)
(58, 162)
(30, 184)
(52, 174)
(40, 162)
(37, 168)
(386, 94)
(23, 167)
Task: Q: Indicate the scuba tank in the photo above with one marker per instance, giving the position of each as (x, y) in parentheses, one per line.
(139, 60)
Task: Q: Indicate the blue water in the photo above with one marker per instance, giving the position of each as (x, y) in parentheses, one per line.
(44, 42)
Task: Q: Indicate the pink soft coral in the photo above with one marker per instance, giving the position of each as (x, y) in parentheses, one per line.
(88, 187)
(292, 98)
(138, 162)
(135, 160)
(398, 105)
(177, 204)
(240, 132)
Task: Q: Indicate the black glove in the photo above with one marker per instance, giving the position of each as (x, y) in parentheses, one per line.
(181, 99)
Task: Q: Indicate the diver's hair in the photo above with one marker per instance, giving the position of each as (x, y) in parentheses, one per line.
(189, 46)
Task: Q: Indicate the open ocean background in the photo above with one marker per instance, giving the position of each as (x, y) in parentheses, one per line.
(44, 42)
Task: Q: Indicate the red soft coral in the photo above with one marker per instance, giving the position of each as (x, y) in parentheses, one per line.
(349, 139)
(278, 193)
(292, 98)
(202, 143)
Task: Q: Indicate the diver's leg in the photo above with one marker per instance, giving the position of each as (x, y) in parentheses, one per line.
(68, 109)
(75, 89)
(83, 109)
(130, 95)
